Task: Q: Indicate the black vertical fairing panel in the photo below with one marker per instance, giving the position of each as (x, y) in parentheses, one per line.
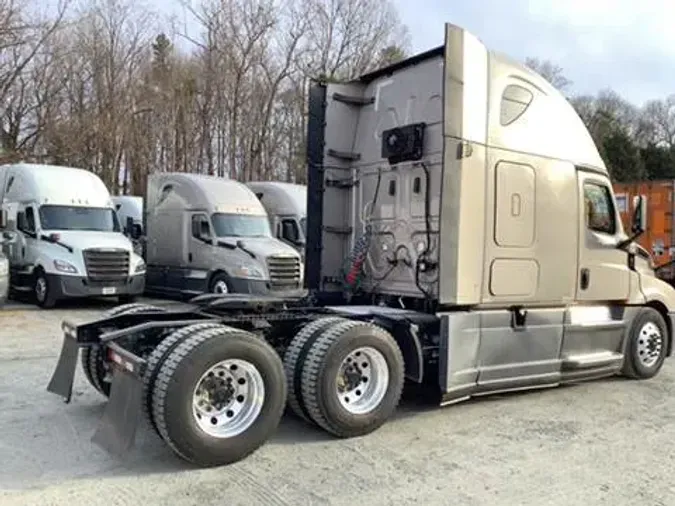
(315, 154)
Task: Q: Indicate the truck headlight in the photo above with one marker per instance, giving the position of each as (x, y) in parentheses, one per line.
(62, 266)
(140, 267)
(248, 271)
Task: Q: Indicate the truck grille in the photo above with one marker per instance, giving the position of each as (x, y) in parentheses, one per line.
(106, 264)
(284, 272)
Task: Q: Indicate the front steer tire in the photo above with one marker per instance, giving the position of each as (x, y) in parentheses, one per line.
(173, 392)
(42, 291)
(92, 360)
(320, 375)
(647, 345)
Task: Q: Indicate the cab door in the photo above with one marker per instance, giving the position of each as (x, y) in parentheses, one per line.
(603, 274)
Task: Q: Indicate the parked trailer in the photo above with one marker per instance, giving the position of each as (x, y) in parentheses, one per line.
(475, 249)
(658, 241)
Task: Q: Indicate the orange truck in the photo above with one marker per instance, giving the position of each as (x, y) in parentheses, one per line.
(658, 239)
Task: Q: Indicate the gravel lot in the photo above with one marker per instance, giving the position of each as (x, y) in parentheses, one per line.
(606, 442)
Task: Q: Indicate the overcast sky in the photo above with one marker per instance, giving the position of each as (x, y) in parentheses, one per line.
(628, 45)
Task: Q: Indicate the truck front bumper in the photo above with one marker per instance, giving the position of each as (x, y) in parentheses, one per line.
(259, 287)
(64, 287)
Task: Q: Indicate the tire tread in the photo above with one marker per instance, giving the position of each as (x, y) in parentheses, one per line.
(292, 356)
(155, 361)
(160, 388)
(311, 376)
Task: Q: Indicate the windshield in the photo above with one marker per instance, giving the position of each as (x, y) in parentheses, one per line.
(303, 226)
(240, 225)
(78, 218)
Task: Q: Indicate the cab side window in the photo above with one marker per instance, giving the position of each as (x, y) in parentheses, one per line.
(30, 220)
(599, 208)
(200, 227)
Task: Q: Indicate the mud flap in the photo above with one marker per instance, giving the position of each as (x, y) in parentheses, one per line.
(62, 380)
(116, 431)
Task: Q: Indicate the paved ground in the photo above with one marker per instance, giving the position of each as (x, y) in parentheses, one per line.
(609, 442)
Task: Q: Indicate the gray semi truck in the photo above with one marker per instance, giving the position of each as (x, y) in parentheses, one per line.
(461, 233)
(286, 206)
(206, 234)
(4, 261)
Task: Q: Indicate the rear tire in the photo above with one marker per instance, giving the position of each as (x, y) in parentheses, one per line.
(95, 367)
(295, 360)
(353, 378)
(157, 358)
(250, 417)
(647, 345)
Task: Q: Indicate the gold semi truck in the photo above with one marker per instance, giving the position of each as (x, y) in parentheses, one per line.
(462, 233)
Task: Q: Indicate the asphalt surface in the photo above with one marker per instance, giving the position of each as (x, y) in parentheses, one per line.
(606, 442)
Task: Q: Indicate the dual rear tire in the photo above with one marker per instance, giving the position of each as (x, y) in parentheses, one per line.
(96, 368)
(213, 393)
(343, 375)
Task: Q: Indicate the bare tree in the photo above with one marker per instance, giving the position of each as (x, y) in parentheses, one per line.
(553, 73)
(24, 73)
(108, 46)
(110, 91)
(659, 121)
(346, 37)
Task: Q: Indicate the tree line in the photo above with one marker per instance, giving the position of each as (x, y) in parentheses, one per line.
(114, 87)
(117, 88)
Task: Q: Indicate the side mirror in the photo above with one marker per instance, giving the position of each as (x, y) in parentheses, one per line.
(128, 226)
(21, 221)
(136, 231)
(3, 219)
(639, 224)
(204, 233)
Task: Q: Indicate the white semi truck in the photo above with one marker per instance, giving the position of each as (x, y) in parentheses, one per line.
(464, 236)
(286, 206)
(63, 239)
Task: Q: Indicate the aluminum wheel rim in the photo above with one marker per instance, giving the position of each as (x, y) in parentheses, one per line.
(40, 288)
(362, 380)
(650, 344)
(228, 398)
(220, 287)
